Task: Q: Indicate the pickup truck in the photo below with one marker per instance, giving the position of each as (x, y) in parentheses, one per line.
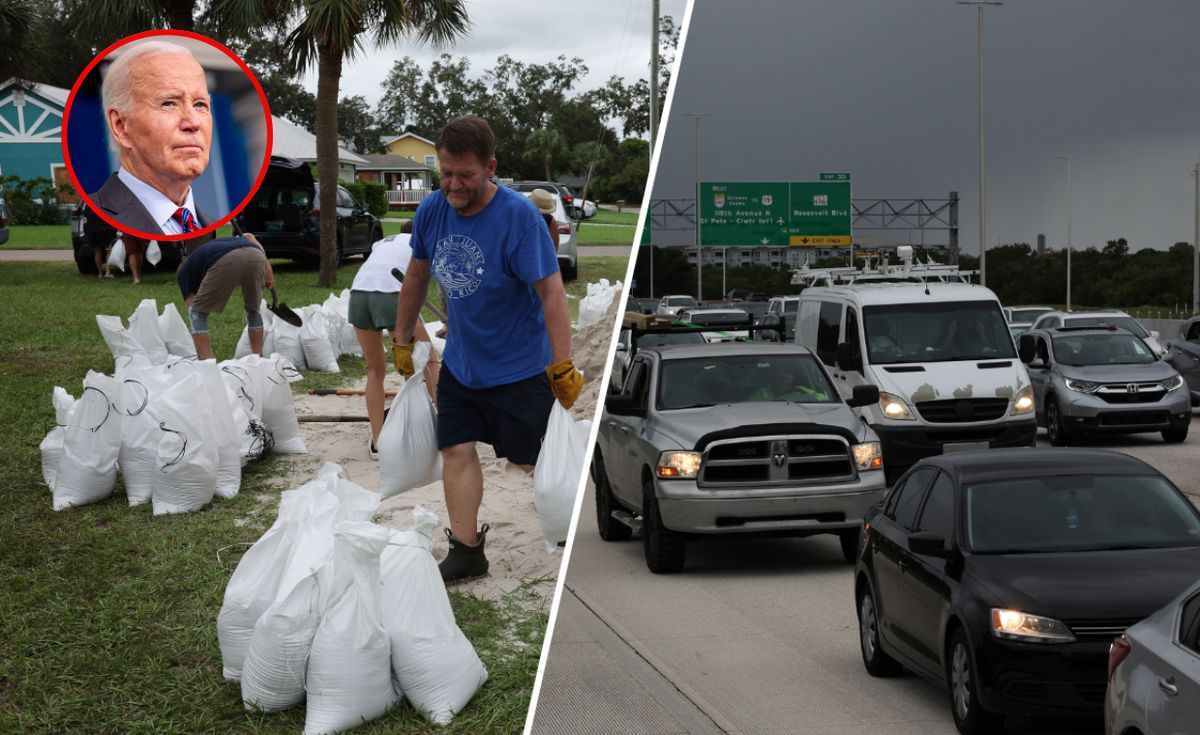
(732, 438)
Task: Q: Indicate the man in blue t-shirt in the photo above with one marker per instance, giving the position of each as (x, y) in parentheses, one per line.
(508, 354)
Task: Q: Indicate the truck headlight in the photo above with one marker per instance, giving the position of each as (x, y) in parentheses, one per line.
(1082, 386)
(1173, 382)
(1019, 626)
(678, 465)
(867, 456)
(1024, 402)
(894, 407)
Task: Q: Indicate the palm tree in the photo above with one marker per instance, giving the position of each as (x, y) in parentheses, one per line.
(18, 21)
(545, 145)
(112, 19)
(325, 33)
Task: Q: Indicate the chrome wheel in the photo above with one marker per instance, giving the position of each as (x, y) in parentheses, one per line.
(867, 631)
(960, 681)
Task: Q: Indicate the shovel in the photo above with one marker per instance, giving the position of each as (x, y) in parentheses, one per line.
(282, 311)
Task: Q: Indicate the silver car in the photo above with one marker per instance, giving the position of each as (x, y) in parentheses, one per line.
(568, 246)
(1154, 672)
(1102, 380)
(732, 438)
(1183, 353)
(1116, 318)
(670, 305)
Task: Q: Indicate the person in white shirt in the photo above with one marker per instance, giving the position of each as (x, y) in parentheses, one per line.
(372, 310)
(159, 114)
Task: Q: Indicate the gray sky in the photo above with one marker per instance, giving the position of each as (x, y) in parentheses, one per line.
(888, 91)
(611, 36)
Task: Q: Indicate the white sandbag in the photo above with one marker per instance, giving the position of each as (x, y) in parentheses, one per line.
(174, 332)
(595, 303)
(138, 459)
(52, 445)
(254, 583)
(408, 452)
(314, 337)
(435, 665)
(116, 256)
(277, 660)
(153, 252)
(120, 342)
(187, 452)
(349, 677)
(229, 458)
(262, 385)
(557, 474)
(243, 345)
(288, 342)
(254, 439)
(439, 343)
(143, 325)
(87, 472)
(339, 306)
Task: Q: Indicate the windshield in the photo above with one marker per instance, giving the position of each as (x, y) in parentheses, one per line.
(718, 317)
(940, 331)
(1078, 513)
(1027, 316)
(655, 339)
(1117, 348)
(709, 381)
(680, 301)
(1124, 322)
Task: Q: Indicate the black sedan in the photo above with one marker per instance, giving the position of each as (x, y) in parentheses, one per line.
(1183, 353)
(1005, 574)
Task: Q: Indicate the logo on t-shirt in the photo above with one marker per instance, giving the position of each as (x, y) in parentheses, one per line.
(458, 265)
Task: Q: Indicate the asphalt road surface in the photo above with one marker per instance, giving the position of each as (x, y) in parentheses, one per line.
(755, 636)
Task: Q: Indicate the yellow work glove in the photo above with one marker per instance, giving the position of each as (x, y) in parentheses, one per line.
(565, 381)
(402, 358)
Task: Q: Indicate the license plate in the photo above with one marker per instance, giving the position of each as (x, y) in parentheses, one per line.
(963, 447)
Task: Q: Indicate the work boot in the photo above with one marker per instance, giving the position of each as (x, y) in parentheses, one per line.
(464, 560)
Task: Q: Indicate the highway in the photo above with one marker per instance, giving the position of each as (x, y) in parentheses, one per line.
(756, 635)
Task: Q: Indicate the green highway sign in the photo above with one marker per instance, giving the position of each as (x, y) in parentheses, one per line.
(646, 237)
(798, 213)
(835, 177)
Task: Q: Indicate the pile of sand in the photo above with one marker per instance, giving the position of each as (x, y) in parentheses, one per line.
(515, 548)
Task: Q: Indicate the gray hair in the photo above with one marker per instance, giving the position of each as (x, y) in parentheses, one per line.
(117, 90)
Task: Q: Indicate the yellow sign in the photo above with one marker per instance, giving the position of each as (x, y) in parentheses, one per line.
(809, 241)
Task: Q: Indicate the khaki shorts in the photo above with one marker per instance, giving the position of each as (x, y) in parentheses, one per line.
(245, 267)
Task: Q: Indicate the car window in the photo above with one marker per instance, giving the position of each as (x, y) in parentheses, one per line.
(829, 327)
(635, 382)
(1189, 623)
(852, 332)
(733, 378)
(1042, 352)
(1194, 333)
(1078, 512)
(905, 500)
(938, 514)
(1116, 348)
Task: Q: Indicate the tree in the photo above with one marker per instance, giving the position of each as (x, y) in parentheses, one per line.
(105, 21)
(544, 146)
(326, 33)
(357, 126)
(19, 22)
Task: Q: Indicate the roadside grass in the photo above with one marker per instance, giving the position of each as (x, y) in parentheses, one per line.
(108, 614)
(590, 234)
(608, 217)
(38, 237)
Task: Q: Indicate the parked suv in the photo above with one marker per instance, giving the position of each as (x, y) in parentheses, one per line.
(567, 246)
(89, 232)
(284, 215)
(1052, 319)
(574, 209)
(1102, 380)
(732, 438)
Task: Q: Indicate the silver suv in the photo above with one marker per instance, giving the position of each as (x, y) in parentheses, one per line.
(1102, 380)
(732, 438)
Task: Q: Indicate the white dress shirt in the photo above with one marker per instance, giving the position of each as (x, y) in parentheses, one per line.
(162, 210)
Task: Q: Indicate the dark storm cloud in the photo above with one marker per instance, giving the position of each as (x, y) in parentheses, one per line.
(888, 90)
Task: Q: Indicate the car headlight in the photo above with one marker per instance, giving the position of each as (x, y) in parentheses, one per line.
(678, 465)
(1024, 402)
(1082, 386)
(894, 407)
(1015, 625)
(867, 456)
(1173, 382)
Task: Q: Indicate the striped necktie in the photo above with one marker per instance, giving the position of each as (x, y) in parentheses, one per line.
(185, 220)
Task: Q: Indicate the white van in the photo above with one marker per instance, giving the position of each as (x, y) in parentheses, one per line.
(942, 356)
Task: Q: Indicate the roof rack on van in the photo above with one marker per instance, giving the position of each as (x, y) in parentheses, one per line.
(907, 270)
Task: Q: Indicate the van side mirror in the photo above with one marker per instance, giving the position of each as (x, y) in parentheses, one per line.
(1026, 348)
(863, 395)
(927, 543)
(848, 358)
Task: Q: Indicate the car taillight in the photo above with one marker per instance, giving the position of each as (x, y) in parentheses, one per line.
(564, 228)
(1118, 650)
(568, 198)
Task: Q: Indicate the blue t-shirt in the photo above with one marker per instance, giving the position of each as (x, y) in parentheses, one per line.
(486, 263)
(197, 263)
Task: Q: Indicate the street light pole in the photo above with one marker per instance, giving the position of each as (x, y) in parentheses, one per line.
(982, 205)
(699, 282)
(1069, 241)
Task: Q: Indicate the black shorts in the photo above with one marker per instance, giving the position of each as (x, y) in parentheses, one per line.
(511, 417)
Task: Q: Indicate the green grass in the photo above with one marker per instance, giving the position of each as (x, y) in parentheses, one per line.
(592, 234)
(604, 216)
(108, 614)
(55, 237)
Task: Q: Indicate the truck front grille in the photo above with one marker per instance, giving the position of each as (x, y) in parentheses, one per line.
(777, 460)
(962, 410)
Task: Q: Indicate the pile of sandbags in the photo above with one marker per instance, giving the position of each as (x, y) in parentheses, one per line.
(324, 336)
(595, 303)
(304, 614)
(157, 337)
(179, 432)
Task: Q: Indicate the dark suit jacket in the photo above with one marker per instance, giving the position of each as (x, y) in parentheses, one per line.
(118, 202)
